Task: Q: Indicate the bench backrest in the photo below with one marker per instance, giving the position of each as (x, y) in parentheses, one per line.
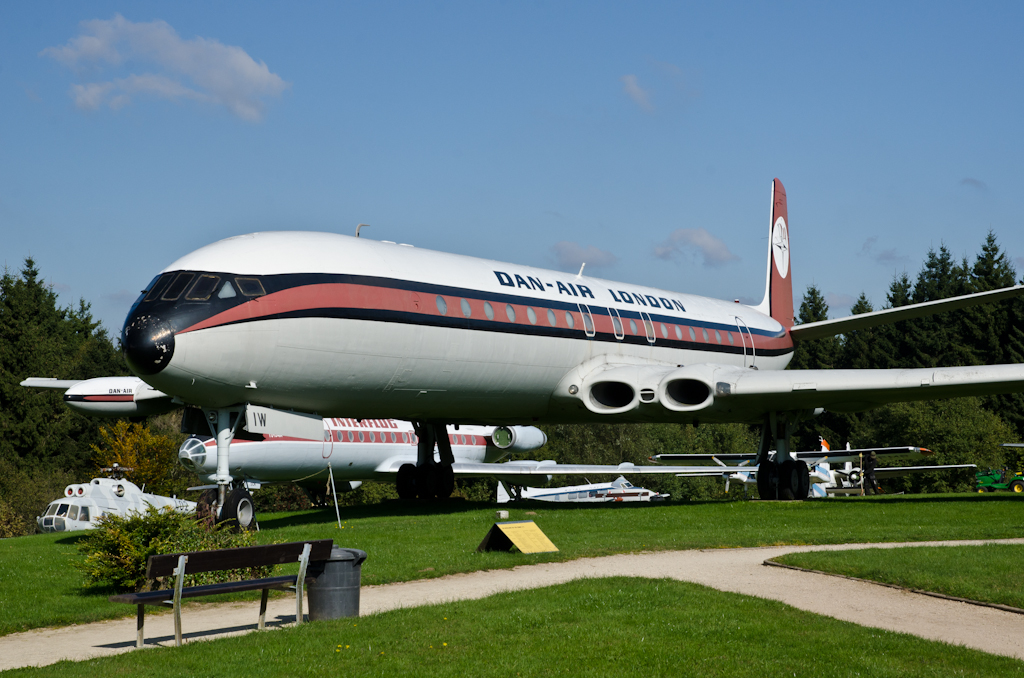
(232, 559)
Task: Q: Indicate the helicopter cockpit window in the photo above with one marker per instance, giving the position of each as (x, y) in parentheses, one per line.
(51, 509)
(178, 286)
(250, 287)
(62, 510)
(203, 288)
(73, 512)
(157, 286)
(83, 514)
(227, 291)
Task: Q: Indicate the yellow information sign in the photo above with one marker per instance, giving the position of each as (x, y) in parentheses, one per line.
(523, 534)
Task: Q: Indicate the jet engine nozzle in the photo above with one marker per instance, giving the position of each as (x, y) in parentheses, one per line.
(148, 344)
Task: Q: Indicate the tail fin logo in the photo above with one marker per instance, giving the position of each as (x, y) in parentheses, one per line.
(780, 246)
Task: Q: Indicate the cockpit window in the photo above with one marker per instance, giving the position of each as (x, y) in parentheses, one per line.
(62, 510)
(203, 288)
(51, 509)
(73, 512)
(83, 514)
(250, 287)
(157, 286)
(178, 286)
(227, 291)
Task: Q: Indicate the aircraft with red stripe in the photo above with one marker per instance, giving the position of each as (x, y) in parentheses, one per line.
(344, 326)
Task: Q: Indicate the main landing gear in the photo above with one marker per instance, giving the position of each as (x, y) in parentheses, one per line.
(428, 478)
(781, 477)
(231, 505)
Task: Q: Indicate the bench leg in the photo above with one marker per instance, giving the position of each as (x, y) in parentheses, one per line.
(263, 610)
(140, 621)
(177, 625)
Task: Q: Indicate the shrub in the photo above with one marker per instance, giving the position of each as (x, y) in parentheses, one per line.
(117, 549)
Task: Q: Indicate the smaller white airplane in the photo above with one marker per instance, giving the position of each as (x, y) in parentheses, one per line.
(82, 505)
(823, 479)
(619, 489)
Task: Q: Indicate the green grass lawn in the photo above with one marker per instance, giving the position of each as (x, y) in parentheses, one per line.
(988, 573)
(616, 626)
(406, 541)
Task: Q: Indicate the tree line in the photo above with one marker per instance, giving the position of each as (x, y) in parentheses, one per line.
(45, 446)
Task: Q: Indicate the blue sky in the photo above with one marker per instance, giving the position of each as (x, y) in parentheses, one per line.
(641, 138)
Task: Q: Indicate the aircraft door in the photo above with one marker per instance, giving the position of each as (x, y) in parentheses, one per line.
(588, 320)
(746, 337)
(328, 441)
(648, 326)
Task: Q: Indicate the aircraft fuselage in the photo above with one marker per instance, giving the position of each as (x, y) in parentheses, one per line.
(343, 326)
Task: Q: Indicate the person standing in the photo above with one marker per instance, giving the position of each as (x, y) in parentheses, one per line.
(869, 474)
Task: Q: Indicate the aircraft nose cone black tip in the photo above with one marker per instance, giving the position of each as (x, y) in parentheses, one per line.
(148, 344)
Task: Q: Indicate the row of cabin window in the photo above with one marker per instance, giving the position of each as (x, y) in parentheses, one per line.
(203, 288)
(531, 315)
(406, 438)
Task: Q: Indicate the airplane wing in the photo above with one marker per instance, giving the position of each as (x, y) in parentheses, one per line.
(729, 393)
(829, 328)
(512, 470)
(44, 382)
(833, 456)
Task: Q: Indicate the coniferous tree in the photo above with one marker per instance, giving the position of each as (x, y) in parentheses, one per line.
(819, 353)
(859, 346)
(40, 339)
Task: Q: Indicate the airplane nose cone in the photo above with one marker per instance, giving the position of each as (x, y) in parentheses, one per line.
(148, 344)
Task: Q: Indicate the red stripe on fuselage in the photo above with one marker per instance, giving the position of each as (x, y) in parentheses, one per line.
(368, 297)
(107, 398)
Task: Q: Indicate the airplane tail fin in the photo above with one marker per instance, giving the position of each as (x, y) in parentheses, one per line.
(503, 496)
(778, 292)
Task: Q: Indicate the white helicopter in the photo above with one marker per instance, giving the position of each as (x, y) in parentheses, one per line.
(84, 504)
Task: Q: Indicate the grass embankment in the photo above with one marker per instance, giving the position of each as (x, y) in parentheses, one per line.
(613, 626)
(989, 573)
(406, 541)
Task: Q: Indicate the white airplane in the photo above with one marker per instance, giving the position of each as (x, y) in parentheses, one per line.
(340, 326)
(823, 479)
(617, 490)
(82, 505)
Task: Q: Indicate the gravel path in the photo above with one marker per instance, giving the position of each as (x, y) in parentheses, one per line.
(738, 570)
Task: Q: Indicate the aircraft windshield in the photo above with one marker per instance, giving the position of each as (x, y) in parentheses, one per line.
(51, 509)
(62, 510)
(203, 288)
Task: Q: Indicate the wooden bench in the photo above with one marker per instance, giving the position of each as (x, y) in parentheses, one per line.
(225, 559)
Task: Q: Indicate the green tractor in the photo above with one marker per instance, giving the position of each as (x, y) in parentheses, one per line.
(992, 480)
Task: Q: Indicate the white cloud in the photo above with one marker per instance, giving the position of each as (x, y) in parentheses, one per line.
(712, 251)
(889, 257)
(570, 256)
(976, 184)
(638, 94)
(200, 69)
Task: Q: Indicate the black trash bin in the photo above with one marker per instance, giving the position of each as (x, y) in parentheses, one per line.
(334, 593)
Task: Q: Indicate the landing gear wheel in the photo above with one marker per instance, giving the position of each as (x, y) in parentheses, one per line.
(805, 480)
(792, 477)
(239, 512)
(445, 481)
(768, 480)
(1017, 486)
(426, 482)
(406, 481)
